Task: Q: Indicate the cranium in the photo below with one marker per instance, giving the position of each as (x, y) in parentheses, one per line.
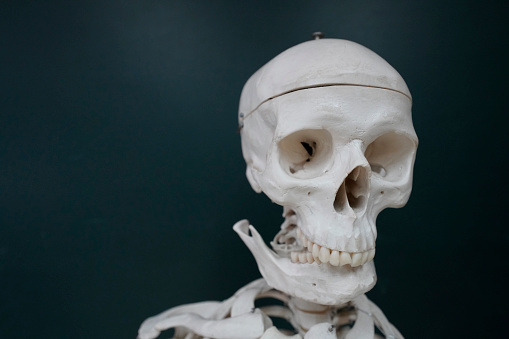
(327, 133)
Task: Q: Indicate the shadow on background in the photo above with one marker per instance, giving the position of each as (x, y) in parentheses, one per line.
(121, 172)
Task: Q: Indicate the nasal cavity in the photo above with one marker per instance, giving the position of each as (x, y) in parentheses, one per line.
(352, 192)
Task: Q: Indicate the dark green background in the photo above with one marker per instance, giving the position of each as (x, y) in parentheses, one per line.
(121, 173)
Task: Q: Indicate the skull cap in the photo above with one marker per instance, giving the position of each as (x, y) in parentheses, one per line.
(317, 63)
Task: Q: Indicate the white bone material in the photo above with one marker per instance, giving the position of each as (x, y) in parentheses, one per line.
(327, 133)
(355, 319)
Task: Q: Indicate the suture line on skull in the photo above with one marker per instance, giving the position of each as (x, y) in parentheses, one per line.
(244, 116)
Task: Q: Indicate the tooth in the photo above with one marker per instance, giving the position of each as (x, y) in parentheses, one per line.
(294, 256)
(303, 258)
(356, 259)
(324, 255)
(334, 258)
(364, 257)
(316, 251)
(345, 258)
(317, 260)
(371, 254)
(310, 245)
(310, 258)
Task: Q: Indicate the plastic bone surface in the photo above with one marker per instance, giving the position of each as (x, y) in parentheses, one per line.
(237, 317)
(326, 133)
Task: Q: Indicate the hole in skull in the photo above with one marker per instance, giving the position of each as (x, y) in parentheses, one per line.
(310, 149)
(340, 201)
(305, 153)
(391, 156)
(378, 169)
(352, 191)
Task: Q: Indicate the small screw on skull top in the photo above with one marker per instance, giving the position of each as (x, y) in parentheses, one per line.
(317, 35)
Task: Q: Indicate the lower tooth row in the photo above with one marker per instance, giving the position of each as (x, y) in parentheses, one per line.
(319, 254)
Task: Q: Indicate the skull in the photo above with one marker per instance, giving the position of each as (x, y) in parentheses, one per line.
(326, 133)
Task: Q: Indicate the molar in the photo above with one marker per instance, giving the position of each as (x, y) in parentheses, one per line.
(356, 259)
(365, 256)
(294, 256)
(371, 254)
(303, 258)
(324, 255)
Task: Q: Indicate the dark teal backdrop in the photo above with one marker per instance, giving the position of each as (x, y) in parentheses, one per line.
(121, 173)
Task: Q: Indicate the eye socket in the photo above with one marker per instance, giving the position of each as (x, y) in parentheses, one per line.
(390, 156)
(305, 153)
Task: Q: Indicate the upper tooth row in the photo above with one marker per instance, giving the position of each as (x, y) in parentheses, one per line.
(322, 254)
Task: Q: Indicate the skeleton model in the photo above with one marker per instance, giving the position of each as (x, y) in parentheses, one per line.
(326, 133)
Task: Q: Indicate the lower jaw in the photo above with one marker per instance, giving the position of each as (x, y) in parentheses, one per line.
(319, 283)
